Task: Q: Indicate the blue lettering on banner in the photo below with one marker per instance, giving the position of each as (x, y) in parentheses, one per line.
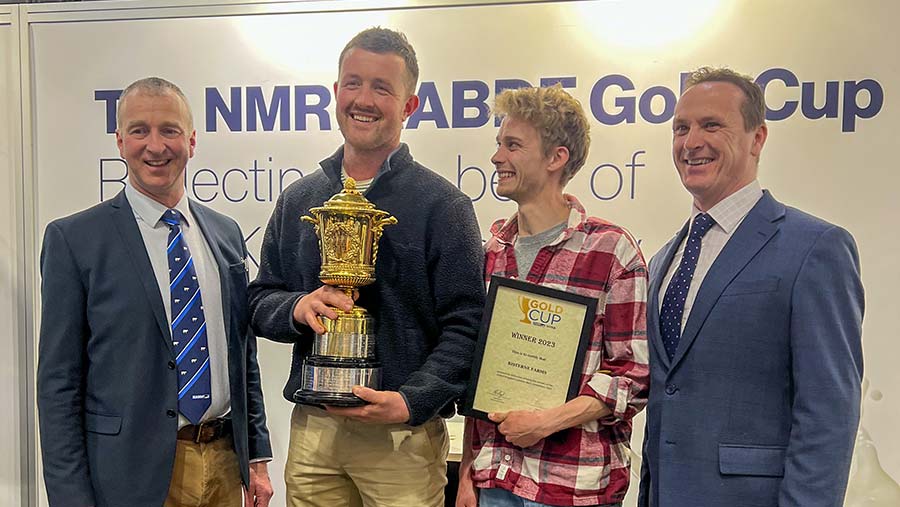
(463, 100)
(111, 98)
(430, 108)
(480, 177)
(230, 115)
(607, 181)
(235, 184)
(613, 99)
(113, 172)
(625, 104)
(280, 105)
(852, 110)
(600, 188)
(861, 100)
(789, 80)
(850, 107)
(260, 109)
(302, 107)
(668, 100)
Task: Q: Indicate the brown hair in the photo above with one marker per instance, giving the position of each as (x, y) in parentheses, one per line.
(382, 41)
(753, 110)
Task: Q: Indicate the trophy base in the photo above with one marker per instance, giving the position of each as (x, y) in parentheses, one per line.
(332, 399)
(330, 381)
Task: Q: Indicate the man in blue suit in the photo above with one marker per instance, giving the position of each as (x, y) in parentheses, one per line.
(754, 321)
(148, 388)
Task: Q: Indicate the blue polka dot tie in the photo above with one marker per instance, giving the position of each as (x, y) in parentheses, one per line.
(673, 303)
(188, 324)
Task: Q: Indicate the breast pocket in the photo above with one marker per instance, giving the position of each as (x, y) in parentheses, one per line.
(239, 277)
(740, 287)
(758, 460)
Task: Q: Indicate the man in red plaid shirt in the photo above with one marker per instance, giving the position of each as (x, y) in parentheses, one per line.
(577, 453)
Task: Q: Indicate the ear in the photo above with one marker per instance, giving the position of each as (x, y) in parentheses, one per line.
(759, 140)
(412, 103)
(120, 143)
(193, 143)
(558, 158)
(335, 86)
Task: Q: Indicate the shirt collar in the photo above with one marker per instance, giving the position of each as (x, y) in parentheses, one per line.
(150, 211)
(508, 233)
(730, 211)
(334, 165)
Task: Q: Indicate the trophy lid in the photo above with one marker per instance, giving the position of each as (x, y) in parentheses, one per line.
(349, 199)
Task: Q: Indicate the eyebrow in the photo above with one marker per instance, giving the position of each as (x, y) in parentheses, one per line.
(508, 138)
(382, 82)
(702, 119)
(142, 123)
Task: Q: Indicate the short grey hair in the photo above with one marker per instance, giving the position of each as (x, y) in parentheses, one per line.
(154, 86)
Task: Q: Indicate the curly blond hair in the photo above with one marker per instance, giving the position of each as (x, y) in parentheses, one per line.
(557, 116)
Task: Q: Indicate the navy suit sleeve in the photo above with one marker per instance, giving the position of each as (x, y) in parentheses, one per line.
(827, 311)
(259, 443)
(61, 374)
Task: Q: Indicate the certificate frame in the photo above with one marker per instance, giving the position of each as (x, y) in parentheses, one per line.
(493, 337)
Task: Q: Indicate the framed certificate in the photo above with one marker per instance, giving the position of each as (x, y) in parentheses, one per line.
(530, 350)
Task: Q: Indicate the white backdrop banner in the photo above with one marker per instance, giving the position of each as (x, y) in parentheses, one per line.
(259, 80)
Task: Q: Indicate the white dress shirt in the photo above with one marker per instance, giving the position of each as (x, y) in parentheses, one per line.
(728, 214)
(155, 233)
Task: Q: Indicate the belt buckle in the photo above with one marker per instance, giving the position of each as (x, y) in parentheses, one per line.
(213, 426)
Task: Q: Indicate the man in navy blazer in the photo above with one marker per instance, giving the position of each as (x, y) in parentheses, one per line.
(754, 323)
(113, 429)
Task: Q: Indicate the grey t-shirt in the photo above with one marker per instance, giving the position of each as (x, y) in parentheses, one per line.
(527, 247)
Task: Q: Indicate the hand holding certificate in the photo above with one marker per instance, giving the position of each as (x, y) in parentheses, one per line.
(530, 350)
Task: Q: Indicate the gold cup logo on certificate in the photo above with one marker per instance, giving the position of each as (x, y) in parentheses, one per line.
(348, 227)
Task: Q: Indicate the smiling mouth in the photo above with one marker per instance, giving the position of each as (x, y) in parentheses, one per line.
(157, 163)
(503, 175)
(364, 118)
(698, 161)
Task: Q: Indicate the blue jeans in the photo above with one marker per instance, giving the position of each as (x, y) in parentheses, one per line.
(497, 497)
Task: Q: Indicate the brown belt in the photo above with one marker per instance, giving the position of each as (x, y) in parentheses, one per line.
(206, 431)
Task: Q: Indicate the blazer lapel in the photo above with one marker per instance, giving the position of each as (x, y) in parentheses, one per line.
(206, 230)
(658, 271)
(755, 231)
(126, 225)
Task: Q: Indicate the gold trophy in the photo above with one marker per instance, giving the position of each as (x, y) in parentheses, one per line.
(348, 227)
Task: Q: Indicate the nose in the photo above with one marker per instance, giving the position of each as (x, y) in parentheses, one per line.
(693, 139)
(365, 96)
(498, 157)
(155, 142)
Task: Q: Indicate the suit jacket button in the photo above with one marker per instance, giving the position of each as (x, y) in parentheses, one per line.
(171, 413)
(671, 389)
(171, 365)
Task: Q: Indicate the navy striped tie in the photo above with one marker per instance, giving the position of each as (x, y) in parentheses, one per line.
(672, 310)
(188, 324)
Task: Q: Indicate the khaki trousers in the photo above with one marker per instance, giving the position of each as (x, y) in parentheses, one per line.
(205, 475)
(336, 462)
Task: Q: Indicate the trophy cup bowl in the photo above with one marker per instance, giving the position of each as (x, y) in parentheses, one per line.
(348, 227)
